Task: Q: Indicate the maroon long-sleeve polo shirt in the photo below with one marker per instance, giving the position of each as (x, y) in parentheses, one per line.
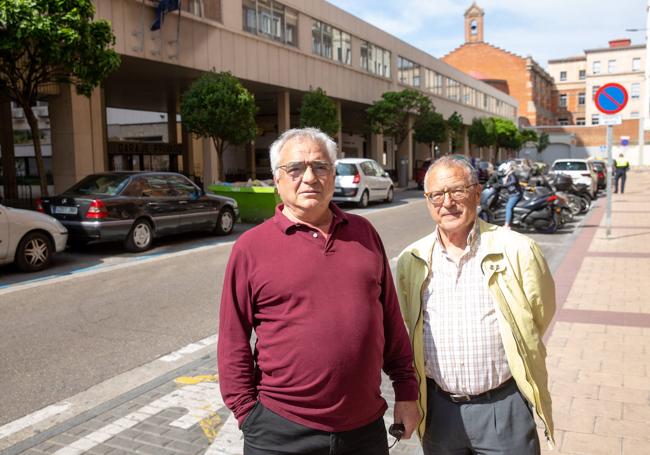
(327, 320)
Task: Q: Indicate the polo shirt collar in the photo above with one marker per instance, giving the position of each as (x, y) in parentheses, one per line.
(285, 224)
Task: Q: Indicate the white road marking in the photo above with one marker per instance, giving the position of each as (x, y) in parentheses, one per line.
(104, 268)
(32, 419)
(189, 349)
(201, 400)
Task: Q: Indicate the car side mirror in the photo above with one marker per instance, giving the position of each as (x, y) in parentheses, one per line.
(386, 174)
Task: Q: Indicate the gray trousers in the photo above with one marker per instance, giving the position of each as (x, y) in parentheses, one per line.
(266, 433)
(501, 424)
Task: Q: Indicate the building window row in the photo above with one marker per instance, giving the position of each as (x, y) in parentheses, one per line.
(272, 20)
(331, 42)
(275, 21)
(375, 59)
(408, 72)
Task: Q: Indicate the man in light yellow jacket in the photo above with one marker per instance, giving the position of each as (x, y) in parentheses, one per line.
(476, 299)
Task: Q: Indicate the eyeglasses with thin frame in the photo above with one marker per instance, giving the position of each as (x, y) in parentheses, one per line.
(456, 194)
(297, 169)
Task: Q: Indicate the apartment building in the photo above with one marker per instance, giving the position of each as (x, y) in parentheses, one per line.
(279, 50)
(520, 77)
(578, 79)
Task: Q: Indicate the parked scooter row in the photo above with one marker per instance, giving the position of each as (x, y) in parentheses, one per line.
(549, 201)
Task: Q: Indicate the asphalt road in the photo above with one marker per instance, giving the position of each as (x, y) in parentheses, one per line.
(102, 312)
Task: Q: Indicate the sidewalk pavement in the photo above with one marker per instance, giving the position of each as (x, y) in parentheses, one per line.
(598, 360)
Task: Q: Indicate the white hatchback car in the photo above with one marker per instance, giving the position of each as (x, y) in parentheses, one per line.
(580, 170)
(361, 180)
(29, 238)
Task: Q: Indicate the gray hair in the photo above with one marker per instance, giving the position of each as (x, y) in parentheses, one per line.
(313, 134)
(457, 161)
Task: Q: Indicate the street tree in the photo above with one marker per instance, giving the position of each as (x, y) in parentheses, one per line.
(455, 128)
(44, 42)
(542, 142)
(319, 111)
(430, 128)
(391, 114)
(507, 134)
(481, 132)
(529, 136)
(219, 107)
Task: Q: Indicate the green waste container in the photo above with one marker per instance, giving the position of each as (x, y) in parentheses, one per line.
(256, 203)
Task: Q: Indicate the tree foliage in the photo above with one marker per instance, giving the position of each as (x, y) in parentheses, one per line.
(528, 136)
(430, 127)
(218, 107)
(481, 132)
(390, 115)
(45, 41)
(319, 111)
(455, 128)
(507, 134)
(542, 142)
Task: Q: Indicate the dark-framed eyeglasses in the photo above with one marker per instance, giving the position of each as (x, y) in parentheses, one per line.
(456, 194)
(396, 430)
(297, 169)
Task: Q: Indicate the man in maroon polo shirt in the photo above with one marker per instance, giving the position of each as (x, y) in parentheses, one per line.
(315, 285)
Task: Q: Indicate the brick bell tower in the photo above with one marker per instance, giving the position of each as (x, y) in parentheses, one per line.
(474, 24)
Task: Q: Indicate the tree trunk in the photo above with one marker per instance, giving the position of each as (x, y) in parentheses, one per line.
(36, 137)
(8, 157)
(218, 146)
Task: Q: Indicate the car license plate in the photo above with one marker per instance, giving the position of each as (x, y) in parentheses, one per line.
(64, 210)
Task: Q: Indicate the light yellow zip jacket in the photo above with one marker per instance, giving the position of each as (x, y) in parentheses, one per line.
(520, 283)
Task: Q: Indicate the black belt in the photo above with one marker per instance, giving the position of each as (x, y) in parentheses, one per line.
(461, 398)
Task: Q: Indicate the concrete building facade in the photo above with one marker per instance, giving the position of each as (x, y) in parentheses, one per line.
(521, 77)
(279, 51)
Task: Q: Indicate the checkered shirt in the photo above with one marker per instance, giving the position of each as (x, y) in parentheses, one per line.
(463, 349)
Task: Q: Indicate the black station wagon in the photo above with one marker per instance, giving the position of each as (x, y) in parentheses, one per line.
(136, 207)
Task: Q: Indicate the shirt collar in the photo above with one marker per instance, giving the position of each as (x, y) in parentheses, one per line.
(285, 224)
(473, 239)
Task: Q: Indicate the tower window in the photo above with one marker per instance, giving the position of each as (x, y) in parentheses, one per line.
(473, 27)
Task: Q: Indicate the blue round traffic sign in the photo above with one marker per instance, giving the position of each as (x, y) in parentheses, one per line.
(611, 98)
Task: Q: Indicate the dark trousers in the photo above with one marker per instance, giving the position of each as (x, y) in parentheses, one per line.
(622, 175)
(499, 424)
(266, 433)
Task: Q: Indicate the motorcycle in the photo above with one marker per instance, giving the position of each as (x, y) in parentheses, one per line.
(536, 211)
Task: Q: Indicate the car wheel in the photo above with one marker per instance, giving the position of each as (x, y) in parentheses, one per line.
(225, 221)
(140, 237)
(34, 252)
(390, 195)
(363, 202)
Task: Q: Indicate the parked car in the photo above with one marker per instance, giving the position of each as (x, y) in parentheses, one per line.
(484, 170)
(29, 239)
(581, 170)
(136, 207)
(361, 180)
(601, 168)
(421, 167)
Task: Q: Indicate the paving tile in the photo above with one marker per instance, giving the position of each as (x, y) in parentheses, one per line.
(635, 447)
(590, 444)
(591, 407)
(636, 411)
(636, 382)
(600, 378)
(624, 428)
(574, 423)
(572, 389)
(624, 395)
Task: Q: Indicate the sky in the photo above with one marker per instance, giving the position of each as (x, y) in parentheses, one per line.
(543, 29)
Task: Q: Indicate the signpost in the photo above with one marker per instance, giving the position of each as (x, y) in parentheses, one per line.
(610, 99)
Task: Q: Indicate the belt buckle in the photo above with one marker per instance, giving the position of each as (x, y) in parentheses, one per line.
(458, 398)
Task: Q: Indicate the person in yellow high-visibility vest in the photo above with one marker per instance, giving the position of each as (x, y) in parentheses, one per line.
(621, 166)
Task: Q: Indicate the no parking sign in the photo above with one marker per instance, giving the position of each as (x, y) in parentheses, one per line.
(611, 98)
